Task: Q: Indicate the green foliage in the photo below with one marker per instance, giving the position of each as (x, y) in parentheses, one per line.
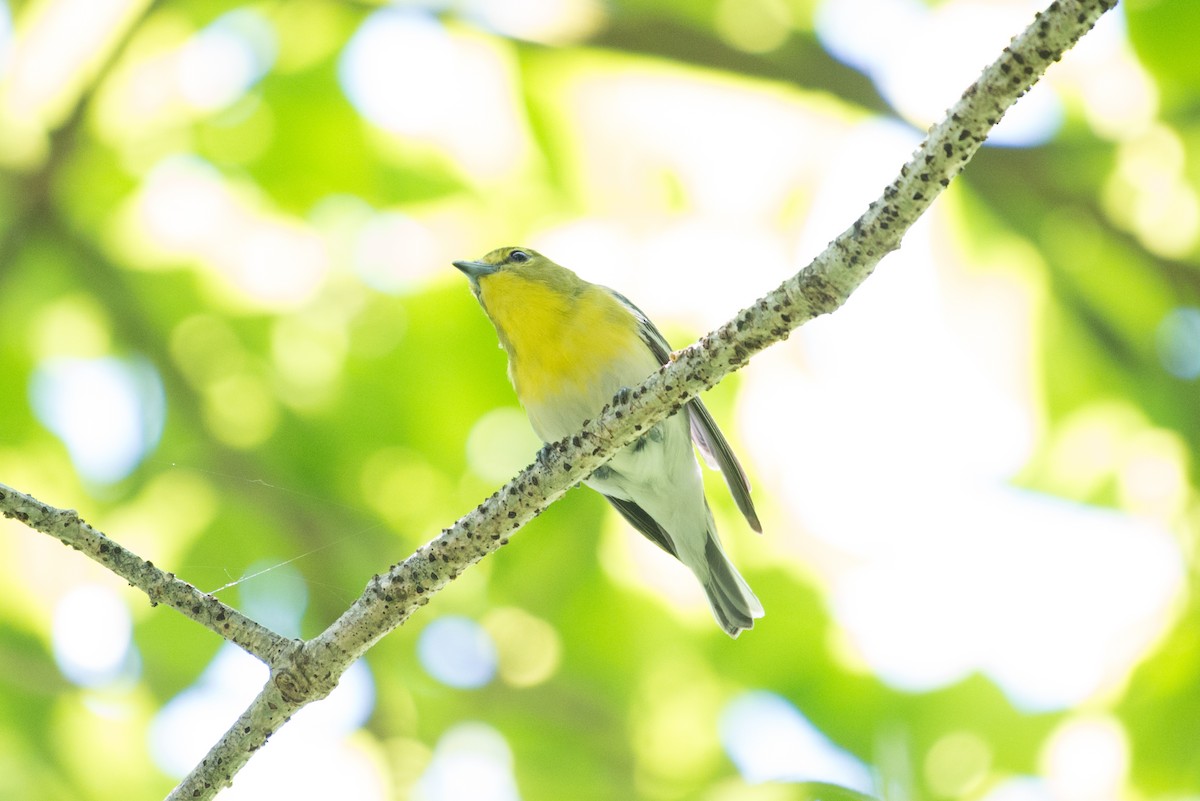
(334, 397)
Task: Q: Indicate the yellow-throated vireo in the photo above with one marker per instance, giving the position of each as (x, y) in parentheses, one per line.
(572, 346)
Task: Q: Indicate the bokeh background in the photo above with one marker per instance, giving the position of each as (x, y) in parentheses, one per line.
(231, 338)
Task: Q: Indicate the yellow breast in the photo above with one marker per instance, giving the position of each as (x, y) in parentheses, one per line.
(585, 345)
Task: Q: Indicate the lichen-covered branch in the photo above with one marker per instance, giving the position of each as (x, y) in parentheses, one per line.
(161, 587)
(820, 288)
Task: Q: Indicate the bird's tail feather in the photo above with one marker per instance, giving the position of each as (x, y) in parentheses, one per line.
(733, 603)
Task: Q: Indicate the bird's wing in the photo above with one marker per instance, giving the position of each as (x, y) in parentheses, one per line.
(712, 443)
(643, 522)
(715, 447)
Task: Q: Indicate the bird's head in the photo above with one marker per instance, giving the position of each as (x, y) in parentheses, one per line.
(517, 270)
(523, 292)
(519, 262)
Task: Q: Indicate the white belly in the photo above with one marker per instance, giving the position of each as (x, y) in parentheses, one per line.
(562, 413)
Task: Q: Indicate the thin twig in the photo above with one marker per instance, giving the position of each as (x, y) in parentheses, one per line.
(160, 587)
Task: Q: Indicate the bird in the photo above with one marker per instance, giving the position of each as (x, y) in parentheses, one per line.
(572, 347)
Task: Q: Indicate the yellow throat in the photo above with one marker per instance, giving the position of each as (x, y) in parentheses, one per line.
(559, 338)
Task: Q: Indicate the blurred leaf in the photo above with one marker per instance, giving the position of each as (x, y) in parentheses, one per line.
(1160, 31)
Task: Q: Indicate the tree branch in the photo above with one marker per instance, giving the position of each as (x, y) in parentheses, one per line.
(310, 670)
(159, 586)
(820, 288)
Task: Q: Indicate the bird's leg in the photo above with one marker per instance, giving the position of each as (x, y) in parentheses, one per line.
(653, 435)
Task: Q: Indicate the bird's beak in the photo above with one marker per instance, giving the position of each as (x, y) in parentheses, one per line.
(475, 269)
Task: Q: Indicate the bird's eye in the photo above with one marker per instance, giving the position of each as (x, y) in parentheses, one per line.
(518, 257)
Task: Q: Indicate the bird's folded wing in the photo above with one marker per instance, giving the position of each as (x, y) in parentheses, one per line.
(712, 443)
(643, 522)
(715, 447)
